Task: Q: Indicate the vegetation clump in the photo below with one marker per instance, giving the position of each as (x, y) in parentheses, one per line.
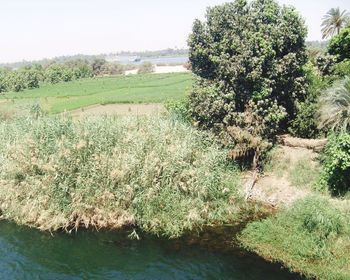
(156, 173)
(336, 164)
(145, 68)
(340, 44)
(312, 237)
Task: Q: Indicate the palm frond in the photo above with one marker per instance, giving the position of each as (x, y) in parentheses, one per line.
(333, 22)
(334, 109)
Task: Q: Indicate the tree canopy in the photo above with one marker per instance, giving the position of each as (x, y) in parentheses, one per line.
(247, 52)
(340, 44)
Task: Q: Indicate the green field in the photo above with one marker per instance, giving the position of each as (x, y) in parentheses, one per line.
(148, 88)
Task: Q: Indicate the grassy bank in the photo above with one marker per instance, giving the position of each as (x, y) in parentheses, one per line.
(148, 88)
(156, 173)
(311, 237)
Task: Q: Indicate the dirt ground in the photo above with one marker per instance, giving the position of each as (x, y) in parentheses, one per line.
(116, 109)
(275, 190)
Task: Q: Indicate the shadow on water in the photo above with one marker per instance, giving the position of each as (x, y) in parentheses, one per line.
(29, 254)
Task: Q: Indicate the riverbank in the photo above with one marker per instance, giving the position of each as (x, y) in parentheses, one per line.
(158, 175)
(310, 232)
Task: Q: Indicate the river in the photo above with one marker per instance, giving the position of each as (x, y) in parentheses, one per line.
(29, 254)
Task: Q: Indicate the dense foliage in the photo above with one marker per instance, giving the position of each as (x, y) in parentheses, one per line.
(305, 124)
(246, 52)
(336, 164)
(340, 44)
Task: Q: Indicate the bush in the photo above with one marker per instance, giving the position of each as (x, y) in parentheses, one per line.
(336, 164)
(247, 52)
(340, 44)
(156, 173)
(56, 73)
(325, 63)
(180, 109)
(310, 237)
(305, 124)
(146, 67)
(342, 69)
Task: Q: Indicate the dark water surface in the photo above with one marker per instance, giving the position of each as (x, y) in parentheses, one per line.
(29, 254)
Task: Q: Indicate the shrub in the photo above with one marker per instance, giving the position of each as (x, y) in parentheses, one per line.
(180, 109)
(247, 52)
(157, 173)
(336, 164)
(146, 67)
(56, 73)
(305, 123)
(310, 237)
(342, 69)
(3, 80)
(340, 44)
(325, 63)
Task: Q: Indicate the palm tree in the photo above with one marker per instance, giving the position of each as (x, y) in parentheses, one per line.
(334, 109)
(333, 21)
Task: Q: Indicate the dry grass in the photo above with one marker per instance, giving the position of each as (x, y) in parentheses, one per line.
(152, 172)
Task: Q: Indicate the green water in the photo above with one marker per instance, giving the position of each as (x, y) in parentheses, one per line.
(29, 254)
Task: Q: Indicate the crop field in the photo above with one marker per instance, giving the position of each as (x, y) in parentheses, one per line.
(57, 98)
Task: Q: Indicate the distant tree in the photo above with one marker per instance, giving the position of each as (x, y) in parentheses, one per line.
(3, 80)
(145, 67)
(340, 44)
(334, 109)
(31, 77)
(97, 65)
(56, 73)
(333, 22)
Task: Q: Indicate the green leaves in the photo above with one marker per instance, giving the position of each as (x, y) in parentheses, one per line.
(247, 51)
(336, 164)
(340, 44)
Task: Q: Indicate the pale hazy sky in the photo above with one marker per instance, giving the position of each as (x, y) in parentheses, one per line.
(34, 29)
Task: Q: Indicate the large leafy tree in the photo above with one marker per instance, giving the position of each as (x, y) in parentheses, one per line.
(247, 52)
(333, 22)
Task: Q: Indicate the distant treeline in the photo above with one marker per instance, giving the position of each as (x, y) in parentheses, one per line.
(321, 45)
(91, 58)
(31, 76)
(160, 53)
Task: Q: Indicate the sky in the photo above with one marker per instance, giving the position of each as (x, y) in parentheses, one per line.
(36, 29)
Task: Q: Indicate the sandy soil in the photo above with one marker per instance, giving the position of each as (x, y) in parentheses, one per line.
(116, 109)
(170, 69)
(131, 72)
(274, 190)
(162, 70)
